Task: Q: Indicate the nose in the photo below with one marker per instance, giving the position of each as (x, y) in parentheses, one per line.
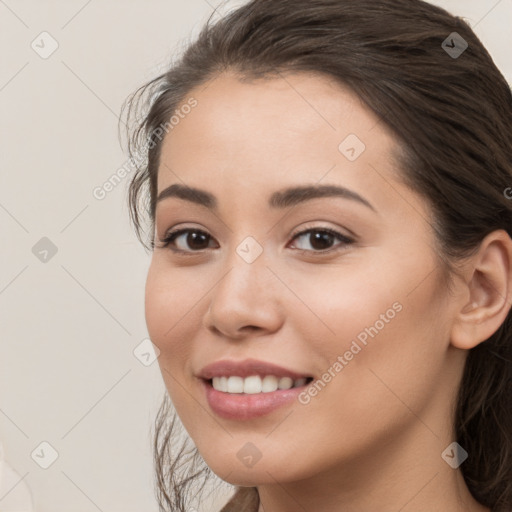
(246, 300)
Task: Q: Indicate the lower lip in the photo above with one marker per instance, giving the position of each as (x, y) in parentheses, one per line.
(247, 406)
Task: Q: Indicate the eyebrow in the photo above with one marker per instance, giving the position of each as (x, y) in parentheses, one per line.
(278, 200)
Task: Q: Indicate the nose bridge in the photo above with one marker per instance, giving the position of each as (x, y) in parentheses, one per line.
(247, 275)
(245, 295)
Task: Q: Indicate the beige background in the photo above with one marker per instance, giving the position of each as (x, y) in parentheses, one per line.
(69, 326)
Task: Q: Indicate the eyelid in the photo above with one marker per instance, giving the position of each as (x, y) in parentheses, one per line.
(345, 240)
(334, 230)
(165, 242)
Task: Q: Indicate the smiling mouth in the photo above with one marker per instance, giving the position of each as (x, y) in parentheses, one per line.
(255, 384)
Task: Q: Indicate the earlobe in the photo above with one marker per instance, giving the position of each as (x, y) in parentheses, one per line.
(489, 287)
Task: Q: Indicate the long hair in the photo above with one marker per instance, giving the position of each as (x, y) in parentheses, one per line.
(450, 109)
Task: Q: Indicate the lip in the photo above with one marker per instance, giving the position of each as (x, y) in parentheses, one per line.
(247, 368)
(241, 406)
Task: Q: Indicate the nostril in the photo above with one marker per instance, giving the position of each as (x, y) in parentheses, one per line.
(251, 328)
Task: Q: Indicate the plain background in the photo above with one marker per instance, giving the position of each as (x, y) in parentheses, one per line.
(70, 325)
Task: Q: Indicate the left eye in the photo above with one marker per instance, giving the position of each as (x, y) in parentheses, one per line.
(320, 239)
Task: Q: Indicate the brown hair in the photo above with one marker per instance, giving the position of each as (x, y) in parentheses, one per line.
(452, 116)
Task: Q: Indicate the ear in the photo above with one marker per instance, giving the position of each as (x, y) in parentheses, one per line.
(489, 286)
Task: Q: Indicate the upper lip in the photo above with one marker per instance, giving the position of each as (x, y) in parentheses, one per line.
(246, 368)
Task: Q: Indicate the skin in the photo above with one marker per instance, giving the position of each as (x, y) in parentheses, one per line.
(372, 439)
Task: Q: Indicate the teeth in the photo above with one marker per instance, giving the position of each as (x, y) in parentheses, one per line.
(252, 385)
(269, 384)
(255, 384)
(235, 385)
(285, 383)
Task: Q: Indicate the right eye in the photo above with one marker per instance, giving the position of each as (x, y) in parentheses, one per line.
(196, 239)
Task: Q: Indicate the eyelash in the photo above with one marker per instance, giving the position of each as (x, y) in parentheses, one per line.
(171, 237)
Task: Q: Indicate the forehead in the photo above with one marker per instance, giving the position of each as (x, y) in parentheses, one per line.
(285, 115)
(294, 109)
(243, 137)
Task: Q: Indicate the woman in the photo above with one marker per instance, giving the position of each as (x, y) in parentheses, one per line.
(331, 276)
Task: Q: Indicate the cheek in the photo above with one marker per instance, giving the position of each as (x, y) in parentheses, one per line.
(376, 334)
(385, 297)
(171, 310)
(170, 296)
(341, 304)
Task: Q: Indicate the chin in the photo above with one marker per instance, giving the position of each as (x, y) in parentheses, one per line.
(262, 472)
(250, 478)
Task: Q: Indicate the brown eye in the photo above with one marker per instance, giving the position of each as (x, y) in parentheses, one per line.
(187, 240)
(321, 239)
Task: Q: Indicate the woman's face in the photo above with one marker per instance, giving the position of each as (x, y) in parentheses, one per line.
(364, 312)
